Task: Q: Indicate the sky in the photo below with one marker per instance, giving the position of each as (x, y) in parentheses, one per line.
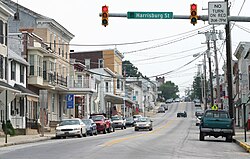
(166, 45)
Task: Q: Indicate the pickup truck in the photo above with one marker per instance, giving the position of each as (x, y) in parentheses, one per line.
(102, 124)
(217, 123)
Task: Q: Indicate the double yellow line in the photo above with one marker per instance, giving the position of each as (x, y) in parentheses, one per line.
(116, 141)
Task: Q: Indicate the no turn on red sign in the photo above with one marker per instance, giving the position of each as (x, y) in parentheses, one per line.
(217, 13)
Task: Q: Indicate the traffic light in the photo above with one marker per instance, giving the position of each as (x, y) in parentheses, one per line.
(105, 15)
(193, 12)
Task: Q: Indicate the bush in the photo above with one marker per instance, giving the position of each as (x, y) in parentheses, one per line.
(10, 130)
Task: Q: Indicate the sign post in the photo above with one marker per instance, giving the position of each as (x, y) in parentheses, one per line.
(217, 13)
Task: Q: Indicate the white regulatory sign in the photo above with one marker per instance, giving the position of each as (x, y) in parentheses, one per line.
(217, 13)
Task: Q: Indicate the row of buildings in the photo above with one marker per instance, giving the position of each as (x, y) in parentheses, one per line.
(43, 82)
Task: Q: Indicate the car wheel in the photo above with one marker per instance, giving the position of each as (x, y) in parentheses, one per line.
(96, 132)
(113, 129)
(229, 138)
(136, 129)
(85, 135)
(150, 129)
(80, 135)
(104, 131)
(202, 137)
(91, 133)
(64, 137)
(124, 127)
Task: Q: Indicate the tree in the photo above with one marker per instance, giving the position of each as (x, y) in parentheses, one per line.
(197, 91)
(169, 90)
(131, 70)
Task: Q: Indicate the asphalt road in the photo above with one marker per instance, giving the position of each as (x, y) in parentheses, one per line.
(171, 138)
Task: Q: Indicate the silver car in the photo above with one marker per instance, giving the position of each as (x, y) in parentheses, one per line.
(144, 123)
(71, 127)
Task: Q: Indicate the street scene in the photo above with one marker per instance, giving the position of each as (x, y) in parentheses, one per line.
(120, 79)
(171, 137)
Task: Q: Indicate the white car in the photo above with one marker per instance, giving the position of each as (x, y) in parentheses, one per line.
(71, 127)
(136, 117)
(118, 122)
(198, 120)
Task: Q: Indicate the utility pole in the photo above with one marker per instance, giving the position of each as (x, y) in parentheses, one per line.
(205, 81)
(229, 69)
(216, 67)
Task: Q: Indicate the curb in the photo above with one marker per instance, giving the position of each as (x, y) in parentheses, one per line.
(24, 142)
(243, 145)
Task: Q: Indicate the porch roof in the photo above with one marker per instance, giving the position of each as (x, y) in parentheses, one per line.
(25, 91)
(115, 99)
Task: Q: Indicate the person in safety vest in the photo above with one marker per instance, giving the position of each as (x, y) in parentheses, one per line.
(214, 107)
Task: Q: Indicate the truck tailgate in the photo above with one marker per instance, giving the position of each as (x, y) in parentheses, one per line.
(222, 123)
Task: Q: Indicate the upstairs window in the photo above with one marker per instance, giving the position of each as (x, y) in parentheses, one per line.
(87, 63)
(32, 64)
(1, 32)
(107, 86)
(118, 84)
(13, 70)
(100, 63)
(21, 73)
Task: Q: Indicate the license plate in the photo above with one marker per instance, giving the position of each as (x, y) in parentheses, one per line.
(216, 130)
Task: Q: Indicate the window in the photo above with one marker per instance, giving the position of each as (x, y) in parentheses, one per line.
(53, 103)
(39, 66)
(107, 87)
(118, 84)
(1, 32)
(62, 48)
(13, 70)
(59, 45)
(87, 63)
(21, 73)
(32, 62)
(1, 66)
(54, 43)
(50, 42)
(45, 70)
(6, 34)
(100, 63)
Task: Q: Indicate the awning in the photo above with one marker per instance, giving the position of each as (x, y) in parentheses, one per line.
(4, 86)
(25, 91)
(17, 57)
(114, 98)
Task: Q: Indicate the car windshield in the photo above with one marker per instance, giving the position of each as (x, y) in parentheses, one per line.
(116, 118)
(97, 118)
(142, 119)
(86, 121)
(69, 122)
(129, 119)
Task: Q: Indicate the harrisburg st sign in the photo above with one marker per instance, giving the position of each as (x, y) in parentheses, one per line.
(150, 15)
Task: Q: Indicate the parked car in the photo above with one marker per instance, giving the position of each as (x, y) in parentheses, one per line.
(136, 117)
(103, 124)
(198, 120)
(144, 123)
(197, 104)
(118, 122)
(169, 100)
(182, 114)
(130, 121)
(199, 112)
(161, 110)
(165, 106)
(71, 127)
(91, 126)
(217, 123)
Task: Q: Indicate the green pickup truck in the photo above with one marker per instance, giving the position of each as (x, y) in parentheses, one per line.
(217, 123)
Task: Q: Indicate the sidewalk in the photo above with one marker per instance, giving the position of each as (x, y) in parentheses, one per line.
(21, 139)
(239, 138)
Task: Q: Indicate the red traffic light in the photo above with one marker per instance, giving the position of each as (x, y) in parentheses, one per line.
(105, 8)
(193, 6)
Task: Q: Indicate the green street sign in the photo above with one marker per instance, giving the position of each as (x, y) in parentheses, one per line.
(150, 15)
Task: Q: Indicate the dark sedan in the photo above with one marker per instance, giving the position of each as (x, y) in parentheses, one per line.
(90, 126)
(130, 121)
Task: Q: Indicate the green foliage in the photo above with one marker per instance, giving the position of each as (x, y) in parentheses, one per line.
(10, 130)
(131, 70)
(169, 90)
(197, 91)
